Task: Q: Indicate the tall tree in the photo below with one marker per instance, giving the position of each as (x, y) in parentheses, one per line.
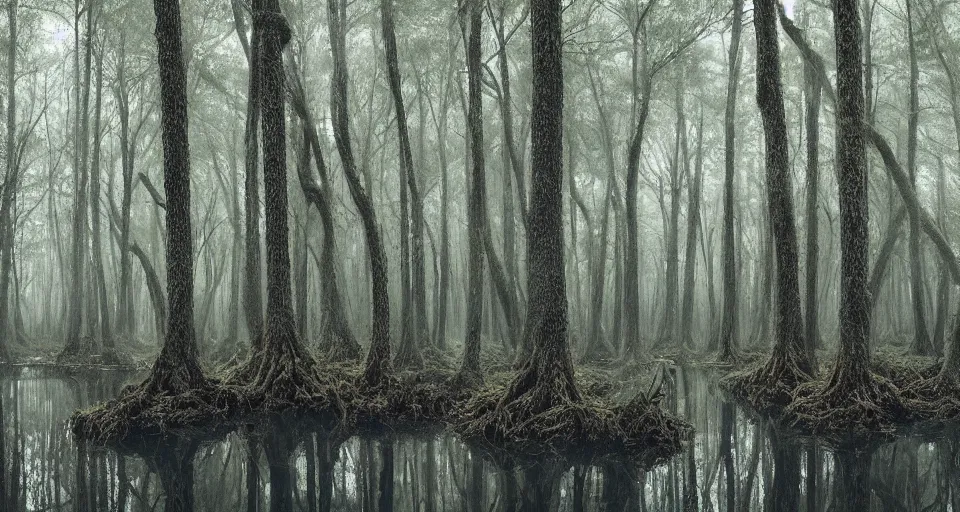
(642, 85)
(546, 378)
(378, 364)
(10, 179)
(679, 166)
(852, 370)
(414, 315)
(728, 324)
(470, 373)
(338, 337)
(177, 368)
(921, 344)
(75, 346)
(693, 229)
(788, 365)
(812, 119)
(252, 299)
(106, 334)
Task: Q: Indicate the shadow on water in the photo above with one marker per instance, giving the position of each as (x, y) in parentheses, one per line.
(733, 464)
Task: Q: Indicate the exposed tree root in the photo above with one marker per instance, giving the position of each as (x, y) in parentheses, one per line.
(283, 374)
(936, 398)
(409, 401)
(542, 410)
(769, 386)
(846, 408)
(141, 412)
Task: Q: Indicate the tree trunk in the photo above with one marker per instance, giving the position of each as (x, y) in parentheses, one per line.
(10, 183)
(126, 324)
(812, 328)
(252, 299)
(470, 373)
(378, 363)
(106, 334)
(631, 269)
(177, 368)
(921, 344)
(789, 348)
(852, 370)
(74, 346)
(338, 337)
(728, 324)
(414, 317)
(154, 289)
(690, 256)
(547, 375)
(678, 169)
(443, 292)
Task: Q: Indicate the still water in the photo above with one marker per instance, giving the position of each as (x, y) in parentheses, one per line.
(733, 463)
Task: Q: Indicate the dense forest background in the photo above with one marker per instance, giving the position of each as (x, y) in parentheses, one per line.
(667, 239)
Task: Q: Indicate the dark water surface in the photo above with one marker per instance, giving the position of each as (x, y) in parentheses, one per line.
(732, 464)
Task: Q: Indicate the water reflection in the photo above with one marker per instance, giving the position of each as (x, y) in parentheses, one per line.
(732, 465)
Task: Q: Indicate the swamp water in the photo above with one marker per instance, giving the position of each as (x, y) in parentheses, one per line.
(733, 463)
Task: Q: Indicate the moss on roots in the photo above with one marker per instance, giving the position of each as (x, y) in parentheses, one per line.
(140, 412)
(843, 408)
(544, 411)
(769, 386)
(539, 409)
(282, 375)
(934, 398)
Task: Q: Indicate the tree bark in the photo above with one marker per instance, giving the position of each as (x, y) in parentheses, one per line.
(414, 318)
(177, 368)
(252, 299)
(728, 324)
(690, 253)
(339, 339)
(125, 316)
(547, 375)
(852, 370)
(378, 363)
(154, 289)
(10, 182)
(789, 344)
(812, 329)
(106, 334)
(921, 344)
(470, 374)
(74, 346)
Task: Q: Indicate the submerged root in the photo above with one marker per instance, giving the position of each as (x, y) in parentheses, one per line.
(848, 408)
